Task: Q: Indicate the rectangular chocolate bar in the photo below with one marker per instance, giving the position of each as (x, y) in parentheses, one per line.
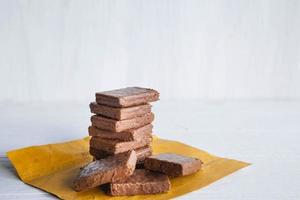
(122, 125)
(173, 164)
(125, 97)
(120, 113)
(117, 146)
(141, 153)
(128, 135)
(106, 170)
(141, 182)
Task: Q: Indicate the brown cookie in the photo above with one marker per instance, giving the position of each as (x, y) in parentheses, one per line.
(117, 146)
(128, 135)
(141, 182)
(120, 113)
(173, 164)
(121, 125)
(126, 97)
(141, 153)
(106, 170)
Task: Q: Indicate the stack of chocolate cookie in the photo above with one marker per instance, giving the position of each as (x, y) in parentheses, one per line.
(121, 135)
(122, 122)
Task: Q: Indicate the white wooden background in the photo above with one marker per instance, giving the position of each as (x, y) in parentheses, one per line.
(208, 49)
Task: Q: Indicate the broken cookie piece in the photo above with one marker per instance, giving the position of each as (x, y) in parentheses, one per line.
(106, 170)
(173, 164)
(141, 182)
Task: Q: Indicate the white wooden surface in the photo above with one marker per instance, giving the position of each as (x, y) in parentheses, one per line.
(265, 133)
(209, 49)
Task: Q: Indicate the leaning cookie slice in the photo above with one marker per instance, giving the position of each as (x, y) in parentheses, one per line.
(106, 170)
(173, 164)
(141, 182)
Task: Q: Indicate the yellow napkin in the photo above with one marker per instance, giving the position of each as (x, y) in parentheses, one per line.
(53, 167)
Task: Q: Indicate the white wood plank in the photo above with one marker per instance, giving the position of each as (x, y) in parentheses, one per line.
(12, 188)
(66, 50)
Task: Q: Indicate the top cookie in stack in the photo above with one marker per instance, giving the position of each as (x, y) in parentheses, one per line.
(122, 122)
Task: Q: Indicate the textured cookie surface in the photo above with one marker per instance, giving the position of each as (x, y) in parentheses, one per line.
(173, 164)
(141, 182)
(126, 97)
(106, 170)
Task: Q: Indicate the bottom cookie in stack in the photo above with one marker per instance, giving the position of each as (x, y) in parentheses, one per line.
(117, 146)
(142, 153)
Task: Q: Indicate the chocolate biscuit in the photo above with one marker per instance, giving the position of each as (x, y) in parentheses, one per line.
(106, 170)
(141, 153)
(122, 125)
(120, 113)
(173, 164)
(117, 146)
(127, 135)
(126, 97)
(141, 182)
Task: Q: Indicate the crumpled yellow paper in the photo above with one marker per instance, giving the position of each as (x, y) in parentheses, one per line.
(53, 167)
